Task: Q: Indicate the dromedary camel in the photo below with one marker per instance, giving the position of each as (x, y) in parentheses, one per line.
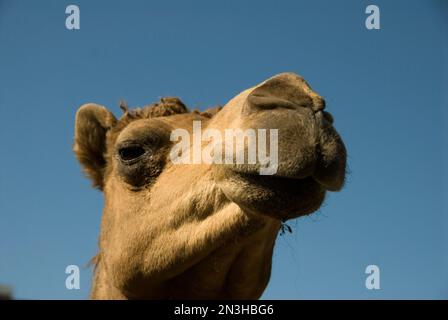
(203, 231)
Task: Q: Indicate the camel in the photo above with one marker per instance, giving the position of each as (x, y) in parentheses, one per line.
(203, 230)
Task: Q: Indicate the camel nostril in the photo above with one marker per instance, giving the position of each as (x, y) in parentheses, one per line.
(261, 102)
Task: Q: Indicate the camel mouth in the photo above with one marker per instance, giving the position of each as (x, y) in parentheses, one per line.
(292, 180)
(276, 196)
(329, 177)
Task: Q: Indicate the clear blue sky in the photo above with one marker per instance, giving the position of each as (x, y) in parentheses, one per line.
(386, 88)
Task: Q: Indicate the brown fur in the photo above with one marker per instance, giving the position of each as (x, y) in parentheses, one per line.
(201, 230)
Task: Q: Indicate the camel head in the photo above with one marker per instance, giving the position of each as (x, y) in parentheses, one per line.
(191, 211)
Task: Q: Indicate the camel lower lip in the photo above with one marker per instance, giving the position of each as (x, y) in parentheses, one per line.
(280, 197)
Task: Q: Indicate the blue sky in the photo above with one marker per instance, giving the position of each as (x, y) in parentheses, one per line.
(386, 89)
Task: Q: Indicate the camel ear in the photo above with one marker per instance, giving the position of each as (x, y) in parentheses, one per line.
(91, 125)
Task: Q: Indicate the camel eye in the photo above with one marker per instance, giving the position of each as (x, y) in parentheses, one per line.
(130, 153)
